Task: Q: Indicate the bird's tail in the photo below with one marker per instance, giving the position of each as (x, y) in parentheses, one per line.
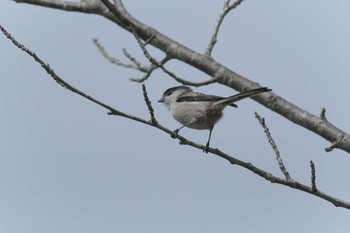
(231, 99)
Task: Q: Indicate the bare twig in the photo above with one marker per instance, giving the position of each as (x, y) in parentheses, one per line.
(313, 177)
(323, 114)
(340, 137)
(135, 65)
(336, 143)
(150, 71)
(149, 105)
(226, 9)
(165, 70)
(184, 141)
(274, 146)
(146, 76)
(133, 60)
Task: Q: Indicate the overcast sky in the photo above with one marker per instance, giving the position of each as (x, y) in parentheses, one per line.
(67, 166)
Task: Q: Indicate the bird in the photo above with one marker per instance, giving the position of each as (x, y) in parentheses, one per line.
(200, 111)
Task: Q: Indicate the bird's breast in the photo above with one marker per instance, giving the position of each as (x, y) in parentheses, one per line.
(196, 115)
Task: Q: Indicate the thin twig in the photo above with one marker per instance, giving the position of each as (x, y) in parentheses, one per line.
(149, 105)
(226, 9)
(274, 146)
(165, 70)
(135, 65)
(60, 81)
(323, 114)
(339, 139)
(146, 76)
(150, 71)
(313, 176)
(133, 60)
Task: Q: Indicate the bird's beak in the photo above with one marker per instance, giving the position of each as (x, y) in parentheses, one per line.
(161, 100)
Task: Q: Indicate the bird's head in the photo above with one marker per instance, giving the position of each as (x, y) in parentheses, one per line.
(172, 94)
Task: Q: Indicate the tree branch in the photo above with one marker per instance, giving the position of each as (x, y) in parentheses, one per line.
(118, 14)
(149, 105)
(228, 77)
(165, 70)
(184, 141)
(134, 65)
(274, 146)
(313, 177)
(226, 9)
(82, 6)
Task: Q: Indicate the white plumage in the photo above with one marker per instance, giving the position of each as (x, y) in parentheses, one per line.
(200, 111)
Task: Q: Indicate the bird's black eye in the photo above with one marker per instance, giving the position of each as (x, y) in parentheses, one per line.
(168, 93)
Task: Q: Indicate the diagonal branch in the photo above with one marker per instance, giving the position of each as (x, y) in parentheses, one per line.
(82, 6)
(226, 9)
(118, 14)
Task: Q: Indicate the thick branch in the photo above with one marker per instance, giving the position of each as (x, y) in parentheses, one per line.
(208, 65)
(83, 6)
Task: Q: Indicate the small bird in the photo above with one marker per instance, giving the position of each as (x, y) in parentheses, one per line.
(200, 111)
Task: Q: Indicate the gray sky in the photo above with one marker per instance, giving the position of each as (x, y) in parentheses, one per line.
(67, 166)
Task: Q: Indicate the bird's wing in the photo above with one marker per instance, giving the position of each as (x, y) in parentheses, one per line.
(234, 98)
(200, 97)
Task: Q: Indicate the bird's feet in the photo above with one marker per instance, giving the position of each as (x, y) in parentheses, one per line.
(206, 150)
(175, 133)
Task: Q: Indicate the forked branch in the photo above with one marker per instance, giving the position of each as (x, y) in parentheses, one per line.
(165, 70)
(134, 65)
(214, 37)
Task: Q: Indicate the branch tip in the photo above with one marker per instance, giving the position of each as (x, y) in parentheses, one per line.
(274, 146)
(134, 65)
(225, 10)
(323, 114)
(313, 177)
(149, 105)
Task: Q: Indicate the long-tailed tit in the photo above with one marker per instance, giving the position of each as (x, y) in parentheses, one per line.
(200, 111)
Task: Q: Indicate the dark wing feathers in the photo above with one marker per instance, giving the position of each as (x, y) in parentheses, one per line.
(199, 97)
